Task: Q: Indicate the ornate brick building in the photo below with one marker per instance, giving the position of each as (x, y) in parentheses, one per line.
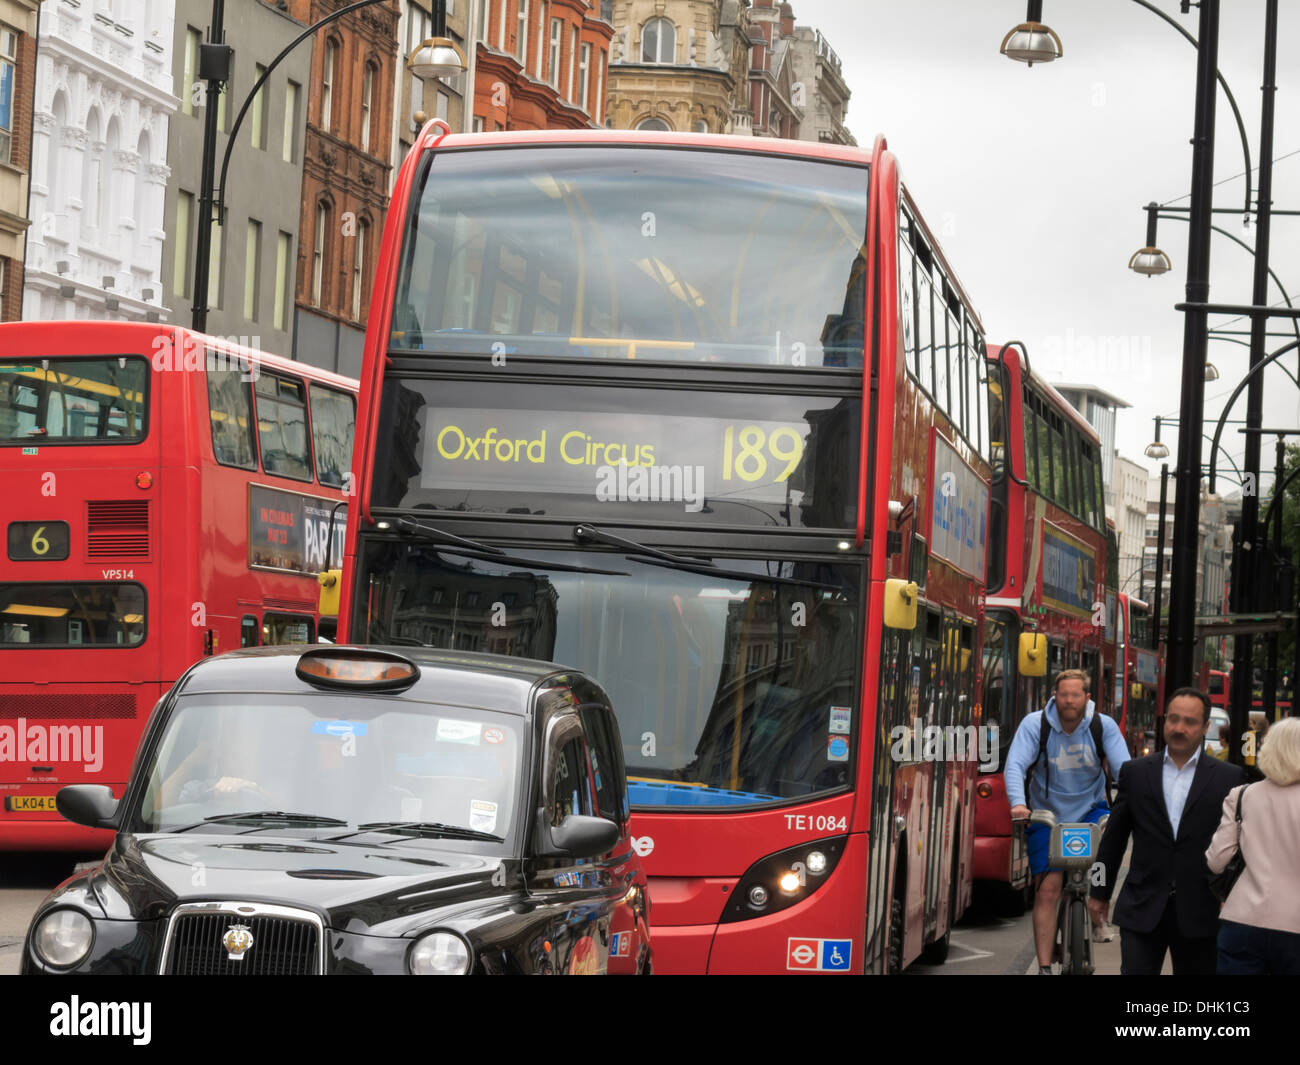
(540, 64)
(345, 181)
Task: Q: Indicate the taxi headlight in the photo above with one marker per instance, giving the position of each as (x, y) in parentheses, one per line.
(63, 938)
(440, 954)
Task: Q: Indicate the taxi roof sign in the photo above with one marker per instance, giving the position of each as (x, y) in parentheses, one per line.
(356, 668)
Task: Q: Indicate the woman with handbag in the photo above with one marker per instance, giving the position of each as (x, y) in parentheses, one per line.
(1259, 928)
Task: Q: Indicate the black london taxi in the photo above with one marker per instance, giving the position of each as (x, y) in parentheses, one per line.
(360, 810)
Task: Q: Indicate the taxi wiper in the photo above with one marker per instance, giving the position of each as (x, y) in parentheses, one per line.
(264, 815)
(473, 549)
(652, 556)
(432, 828)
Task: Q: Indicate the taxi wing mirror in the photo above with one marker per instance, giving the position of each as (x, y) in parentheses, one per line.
(1033, 654)
(330, 583)
(577, 836)
(900, 604)
(92, 805)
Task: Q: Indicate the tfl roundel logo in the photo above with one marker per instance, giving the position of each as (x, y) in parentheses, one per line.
(819, 955)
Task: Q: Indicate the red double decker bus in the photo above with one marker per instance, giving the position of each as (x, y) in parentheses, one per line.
(167, 495)
(705, 416)
(1045, 610)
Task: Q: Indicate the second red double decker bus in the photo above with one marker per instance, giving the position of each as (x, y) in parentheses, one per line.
(167, 496)
(1047, 589)
(707, 417)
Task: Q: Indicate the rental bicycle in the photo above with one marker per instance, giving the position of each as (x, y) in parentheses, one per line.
(1073, 850)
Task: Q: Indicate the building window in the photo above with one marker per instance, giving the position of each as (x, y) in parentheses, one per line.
(521, 34)
(221, 98)
(318, 253)
(181, 268)
(655, 125)
(252, 268)
(573, 61)
(481, 21)
(287, 148)
(8, 53)
(418, 27)
(258, 116)
(598, 104)
(190, 71)
(553, 54)
(327, 86)
(283, 250)
(214, 268)
(658, 41)
(358, 267)
(584, 78)
(367, 99)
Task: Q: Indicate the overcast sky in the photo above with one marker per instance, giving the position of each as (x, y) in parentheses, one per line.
(1034, 179)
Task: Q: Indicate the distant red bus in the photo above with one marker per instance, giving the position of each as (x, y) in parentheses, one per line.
(1048, 582)
(615, 413)
(1138, 686)
(167, 496)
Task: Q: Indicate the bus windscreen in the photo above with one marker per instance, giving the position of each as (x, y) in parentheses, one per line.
(728, 692)
(74, 400)
(661, 254)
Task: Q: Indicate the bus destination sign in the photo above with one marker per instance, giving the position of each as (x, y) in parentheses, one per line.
(623, 457)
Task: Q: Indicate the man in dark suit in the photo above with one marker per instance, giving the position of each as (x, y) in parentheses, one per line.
(1170, 802)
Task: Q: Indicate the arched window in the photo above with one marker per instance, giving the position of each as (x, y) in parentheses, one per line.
(655, 125)
(92, 176)
(318, 253)
(54, 201)
(140, 208)
(367, 104)
(658, 41)
(327, 85)
(109, 178)
(359, 265)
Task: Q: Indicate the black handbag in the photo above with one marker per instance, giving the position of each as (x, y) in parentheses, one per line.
(1222, 883)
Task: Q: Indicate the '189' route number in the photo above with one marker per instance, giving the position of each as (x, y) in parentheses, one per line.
(818, 823)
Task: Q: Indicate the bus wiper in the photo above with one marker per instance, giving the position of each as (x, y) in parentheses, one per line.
(438, 536)
(472, 549)
(263, 815)
(653, 557)
(430, 828)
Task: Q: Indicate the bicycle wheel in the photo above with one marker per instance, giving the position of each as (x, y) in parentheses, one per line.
(1077, 961)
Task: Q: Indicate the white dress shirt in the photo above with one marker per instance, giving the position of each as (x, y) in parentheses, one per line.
(1176, 783)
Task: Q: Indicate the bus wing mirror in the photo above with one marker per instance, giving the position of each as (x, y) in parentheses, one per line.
(92, 805)
(1033, 654)
(900, 604)
(330, 586)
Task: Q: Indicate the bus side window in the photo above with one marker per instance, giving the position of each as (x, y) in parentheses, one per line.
(287, 628)
(282, 427)
(230, 408)
(333, 422)
(248, 631)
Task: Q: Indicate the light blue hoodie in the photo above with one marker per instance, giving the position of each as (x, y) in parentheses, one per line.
(1076, 782)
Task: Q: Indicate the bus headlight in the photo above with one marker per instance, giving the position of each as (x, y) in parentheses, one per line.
(781, 880)
(63, 938)
(440, 954)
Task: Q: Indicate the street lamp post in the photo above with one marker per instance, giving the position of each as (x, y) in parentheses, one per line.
(1158, 450)
(1181, 634)
(437, 56)
(1247, 563)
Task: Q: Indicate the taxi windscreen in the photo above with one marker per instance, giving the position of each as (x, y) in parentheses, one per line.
(358, 760)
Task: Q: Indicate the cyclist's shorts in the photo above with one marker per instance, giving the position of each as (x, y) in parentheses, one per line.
(1039, 837)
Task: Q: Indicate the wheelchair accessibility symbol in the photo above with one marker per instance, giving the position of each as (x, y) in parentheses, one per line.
(1076, 842)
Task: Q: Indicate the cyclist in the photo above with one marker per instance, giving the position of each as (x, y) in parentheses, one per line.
(1055, 758)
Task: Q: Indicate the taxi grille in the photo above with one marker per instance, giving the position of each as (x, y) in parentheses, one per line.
(282, 946)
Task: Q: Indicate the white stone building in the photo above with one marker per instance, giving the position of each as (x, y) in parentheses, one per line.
(1127, 501)
(99, 174)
